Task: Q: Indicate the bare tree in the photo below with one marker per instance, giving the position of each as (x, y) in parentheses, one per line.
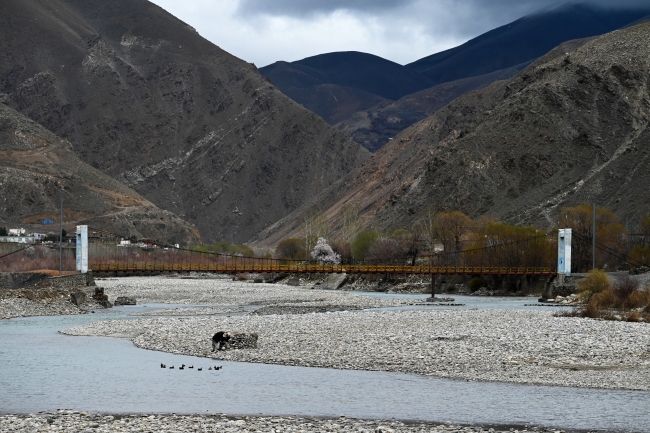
(426, 228)
(451, 227)
(350, 223)
(315, 226)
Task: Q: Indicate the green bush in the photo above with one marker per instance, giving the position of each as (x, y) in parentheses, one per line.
(450, 288)
(224, 247)
(3, 231)
(476, 283)
(362, 243)
(291, 249)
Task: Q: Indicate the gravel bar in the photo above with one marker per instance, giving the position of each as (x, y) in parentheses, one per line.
(190, 311)
(521, 346)
(84, 422)
(226, 292)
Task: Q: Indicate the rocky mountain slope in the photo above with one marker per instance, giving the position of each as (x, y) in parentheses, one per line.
(375, 126)
(144, 98)
(571, 128)
(38, 169)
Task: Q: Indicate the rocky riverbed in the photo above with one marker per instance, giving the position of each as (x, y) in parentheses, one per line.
(26, 303)
(84, 422)
(228, 292)
(518, 346)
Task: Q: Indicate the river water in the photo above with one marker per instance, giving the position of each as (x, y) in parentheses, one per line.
(41, 369)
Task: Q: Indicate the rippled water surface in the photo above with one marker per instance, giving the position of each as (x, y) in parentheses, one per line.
(468, 302)
(42, 370)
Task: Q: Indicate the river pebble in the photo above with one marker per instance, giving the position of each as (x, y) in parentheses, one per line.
(83, 422)
(518, 346)
(190, 311)
(11, 307)
(226, 292)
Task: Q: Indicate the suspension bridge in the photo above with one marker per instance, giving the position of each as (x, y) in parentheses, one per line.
(314, 268)
(526, 257)
(536, 256)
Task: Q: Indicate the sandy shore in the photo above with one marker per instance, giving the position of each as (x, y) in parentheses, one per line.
(518, 346)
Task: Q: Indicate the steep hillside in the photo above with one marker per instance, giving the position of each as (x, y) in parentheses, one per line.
(375, 126)
(571, 128)
(523, 40)
(144, 98)
(38, 169)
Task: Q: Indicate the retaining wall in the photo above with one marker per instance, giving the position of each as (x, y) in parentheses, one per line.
(34, 280)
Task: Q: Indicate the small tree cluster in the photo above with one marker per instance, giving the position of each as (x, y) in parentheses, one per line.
(224, 247)
(291, 249)
(324, 254)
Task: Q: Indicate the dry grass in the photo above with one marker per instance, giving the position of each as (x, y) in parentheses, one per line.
(597, 281)
(622, 301)
(34, 258)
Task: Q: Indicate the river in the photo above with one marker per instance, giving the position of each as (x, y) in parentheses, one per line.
(44, 370)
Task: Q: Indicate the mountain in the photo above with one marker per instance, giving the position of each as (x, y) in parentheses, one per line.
(38, 169)
(144, 98)
(334, 85)
(523, 40)
(358, 93)
(375, 126)
(573, 127)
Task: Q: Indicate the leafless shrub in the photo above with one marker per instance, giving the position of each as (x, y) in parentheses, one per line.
(386, 250)
(625, 286)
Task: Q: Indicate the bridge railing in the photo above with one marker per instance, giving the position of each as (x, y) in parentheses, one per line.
(316, 268)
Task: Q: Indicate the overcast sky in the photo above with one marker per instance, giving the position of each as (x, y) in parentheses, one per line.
(263, 31)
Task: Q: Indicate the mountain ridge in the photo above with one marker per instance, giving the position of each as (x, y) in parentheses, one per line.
(147, 100)
(498, 53)
(38, 169)
(571, 128)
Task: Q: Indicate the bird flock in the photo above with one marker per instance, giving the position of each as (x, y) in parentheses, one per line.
(182, 367)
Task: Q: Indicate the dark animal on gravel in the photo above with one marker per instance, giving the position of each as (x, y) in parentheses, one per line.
(220, 340)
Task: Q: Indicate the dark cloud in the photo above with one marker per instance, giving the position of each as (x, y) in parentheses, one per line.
(302, 8)
(313, 7)
(263, 31)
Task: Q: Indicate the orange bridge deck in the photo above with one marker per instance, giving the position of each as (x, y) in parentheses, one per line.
(315, 268)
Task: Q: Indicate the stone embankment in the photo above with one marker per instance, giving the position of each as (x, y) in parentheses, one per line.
(519, 346)
(37, 294)
(27, 303)
(83, 422)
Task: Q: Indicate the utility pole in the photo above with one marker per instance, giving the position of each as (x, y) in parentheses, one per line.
(61, 240)
(593, 237)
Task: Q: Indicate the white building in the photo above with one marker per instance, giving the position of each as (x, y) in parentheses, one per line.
(18, 239)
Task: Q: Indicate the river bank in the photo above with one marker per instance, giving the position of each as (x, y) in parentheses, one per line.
(128, 380)
(225, 291)
(43, 302)
(73, 421)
